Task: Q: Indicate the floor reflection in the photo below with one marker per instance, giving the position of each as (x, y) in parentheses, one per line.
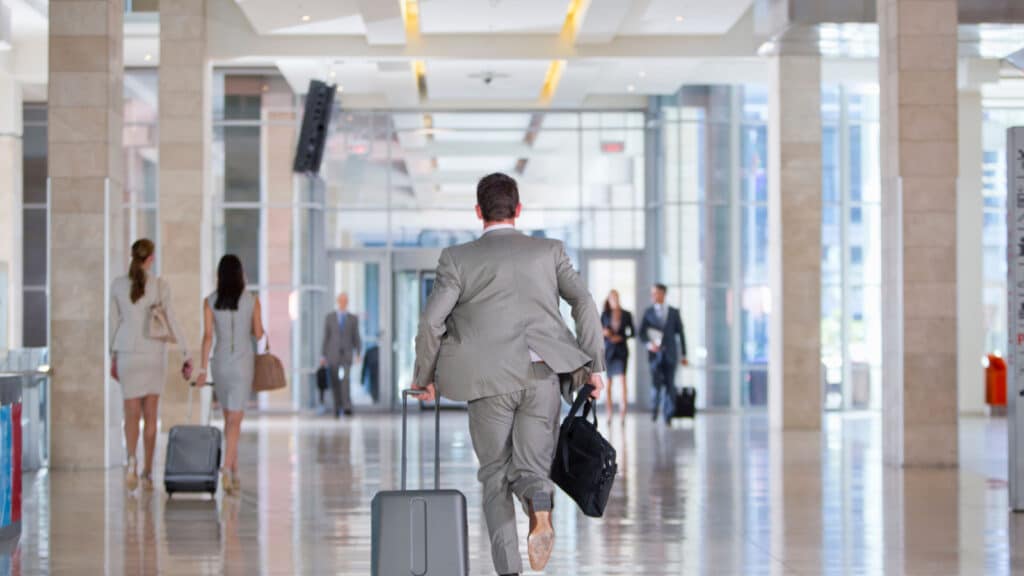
(720, 496)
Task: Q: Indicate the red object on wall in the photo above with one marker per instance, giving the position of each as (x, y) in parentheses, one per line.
(995, 381)
(16, 462)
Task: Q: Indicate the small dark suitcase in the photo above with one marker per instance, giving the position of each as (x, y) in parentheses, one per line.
(420, 532)
(193, 457)
(686, 403)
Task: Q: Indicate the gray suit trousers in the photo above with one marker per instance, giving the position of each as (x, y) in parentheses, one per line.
(514, 437)
(340, 388)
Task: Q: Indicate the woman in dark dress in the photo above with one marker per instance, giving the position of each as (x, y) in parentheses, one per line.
(618, 328)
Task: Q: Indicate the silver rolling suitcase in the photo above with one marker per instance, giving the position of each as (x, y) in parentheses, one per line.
(420, 532)
(193, 457)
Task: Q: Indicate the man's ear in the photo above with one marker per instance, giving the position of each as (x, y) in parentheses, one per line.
(479, 212)
(519, 210)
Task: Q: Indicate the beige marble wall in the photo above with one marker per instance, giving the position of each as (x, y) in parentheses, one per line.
(184, 76)
(918, 68)
(85, 117)
(794, 400)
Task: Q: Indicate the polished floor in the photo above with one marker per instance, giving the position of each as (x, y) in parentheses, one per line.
(721, 496)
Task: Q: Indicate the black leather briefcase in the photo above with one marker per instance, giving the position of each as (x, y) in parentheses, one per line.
(584, 465)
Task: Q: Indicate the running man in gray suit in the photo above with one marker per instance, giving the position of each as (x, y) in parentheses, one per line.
(492, 335)
(341, 348)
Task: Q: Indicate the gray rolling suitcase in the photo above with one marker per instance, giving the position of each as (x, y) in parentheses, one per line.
(420, 532)
(193, 457)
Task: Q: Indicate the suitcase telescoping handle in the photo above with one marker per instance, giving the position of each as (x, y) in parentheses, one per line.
(437, 434)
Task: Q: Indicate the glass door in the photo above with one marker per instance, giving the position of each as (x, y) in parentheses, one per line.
(607, 271)
(414, 275)
(363, 277)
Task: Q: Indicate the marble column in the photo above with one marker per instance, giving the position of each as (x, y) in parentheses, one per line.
(10, 211)
(918, 69)
(85, 118)
(794, 208)
(184, 113)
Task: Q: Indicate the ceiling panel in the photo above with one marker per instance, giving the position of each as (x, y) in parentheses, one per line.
(492, 16)
(698, 17)
(466, 79)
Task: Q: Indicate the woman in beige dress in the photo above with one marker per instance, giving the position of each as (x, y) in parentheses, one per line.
(138, 362)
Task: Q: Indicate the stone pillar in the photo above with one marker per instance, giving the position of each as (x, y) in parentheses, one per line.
(184, 113)
(794, 208)
(85, 118)
(918, 68)
(10, 212)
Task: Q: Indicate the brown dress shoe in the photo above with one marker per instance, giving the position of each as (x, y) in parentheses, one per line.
(542, 538)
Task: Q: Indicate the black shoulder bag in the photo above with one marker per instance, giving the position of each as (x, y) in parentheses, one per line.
(584, 465)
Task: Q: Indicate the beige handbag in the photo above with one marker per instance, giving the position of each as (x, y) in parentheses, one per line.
(269, 373)
(158, 327)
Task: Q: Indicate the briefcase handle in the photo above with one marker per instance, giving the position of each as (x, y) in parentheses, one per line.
(583, 401)
(437, 433)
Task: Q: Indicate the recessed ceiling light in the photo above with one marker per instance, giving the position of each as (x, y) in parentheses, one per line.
(631, 88)
(147, 57)
(305, 18)
(643, 74)
(679, 18)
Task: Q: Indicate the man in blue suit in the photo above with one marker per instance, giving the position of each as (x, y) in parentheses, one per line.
(660, 329)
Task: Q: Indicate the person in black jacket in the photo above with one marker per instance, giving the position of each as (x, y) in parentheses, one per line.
(661, 326)
(618, 328)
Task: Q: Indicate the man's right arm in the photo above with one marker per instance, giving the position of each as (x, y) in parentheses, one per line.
(443, 298)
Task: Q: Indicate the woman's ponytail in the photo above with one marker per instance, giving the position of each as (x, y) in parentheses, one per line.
(142, 249)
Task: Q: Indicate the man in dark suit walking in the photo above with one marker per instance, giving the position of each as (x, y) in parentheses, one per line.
(341, 348)
(662, 325)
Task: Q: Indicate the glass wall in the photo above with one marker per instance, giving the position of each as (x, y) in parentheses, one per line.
(713, 236)
(996, 123)
(851, 314)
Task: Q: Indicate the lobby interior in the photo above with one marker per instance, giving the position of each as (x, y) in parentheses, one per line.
(821, 184)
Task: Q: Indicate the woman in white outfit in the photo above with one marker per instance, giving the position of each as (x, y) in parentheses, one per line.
(232, 315)
(139, 362)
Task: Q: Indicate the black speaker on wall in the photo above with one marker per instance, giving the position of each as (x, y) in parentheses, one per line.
(315, 120)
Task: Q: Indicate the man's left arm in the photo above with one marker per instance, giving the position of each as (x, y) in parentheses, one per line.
(682, 340)
(356, 337)
(443, 298)
(589, 334)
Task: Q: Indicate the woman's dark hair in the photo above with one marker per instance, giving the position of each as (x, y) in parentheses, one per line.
(497, 195)
(230, 282)
(142, 249)
(608, 304)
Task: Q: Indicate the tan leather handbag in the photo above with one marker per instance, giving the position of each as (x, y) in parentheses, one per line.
(158, 326)
(269, 373)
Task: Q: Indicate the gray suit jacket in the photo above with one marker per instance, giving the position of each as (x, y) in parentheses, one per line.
(340, 346)
(493, 301)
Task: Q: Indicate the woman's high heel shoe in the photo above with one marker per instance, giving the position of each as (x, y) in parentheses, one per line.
(131, 478)
(228, 482)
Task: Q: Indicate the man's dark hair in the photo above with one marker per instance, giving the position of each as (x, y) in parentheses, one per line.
(498, 196)
(661, 287)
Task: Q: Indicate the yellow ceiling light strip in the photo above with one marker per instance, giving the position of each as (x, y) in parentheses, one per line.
(567, 38)
(411, 18)
(573, 20)
(551, 80)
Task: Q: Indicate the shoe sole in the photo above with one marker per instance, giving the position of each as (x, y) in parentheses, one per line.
(131, 483)
(540, 543)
